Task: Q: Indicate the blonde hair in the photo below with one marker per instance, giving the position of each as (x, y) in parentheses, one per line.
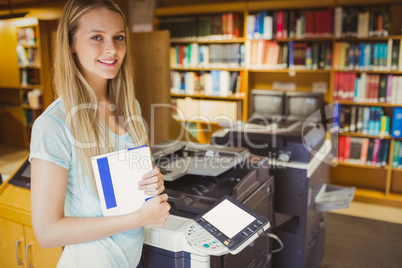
(70, 84)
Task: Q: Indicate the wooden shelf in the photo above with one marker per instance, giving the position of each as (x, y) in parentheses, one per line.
(206, 69)
(354, 134)
(319, 71)
(197, 122)
(307, 39)
(369, 71)
(223, 41)
(291, 4)
(200, 9)
(369, 104)
(365, 2)
(195, 96)
(368, 38)
(358, 166)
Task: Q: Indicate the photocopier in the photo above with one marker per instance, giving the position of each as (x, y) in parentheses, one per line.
(196, 176)
(299, 162)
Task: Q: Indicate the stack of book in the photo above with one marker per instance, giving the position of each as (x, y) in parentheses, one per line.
(220, 83)
(289, 24)
(207, 56)
(368, 88)
(204, 27)
(385, 56)
(363, 151)
(364, 120)
(357, 22)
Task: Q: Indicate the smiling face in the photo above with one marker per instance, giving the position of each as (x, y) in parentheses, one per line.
(100, 45)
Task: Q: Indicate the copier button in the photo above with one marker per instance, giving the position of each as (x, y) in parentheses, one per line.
(206, 246)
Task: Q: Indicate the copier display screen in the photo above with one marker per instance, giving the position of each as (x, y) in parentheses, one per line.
(228, 218)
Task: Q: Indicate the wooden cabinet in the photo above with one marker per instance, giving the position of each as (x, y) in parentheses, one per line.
(18, 245)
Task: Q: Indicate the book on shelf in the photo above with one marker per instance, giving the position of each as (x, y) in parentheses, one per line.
(364, 56)
(397, 154)
(282, 24)
(358, 22)
(27, 36)
(363, 151)
(203, 27)
(396, 130)
(368, 88)
(364, 120)
(220, 83)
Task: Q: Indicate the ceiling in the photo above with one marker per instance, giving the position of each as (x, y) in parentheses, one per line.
(26, 4)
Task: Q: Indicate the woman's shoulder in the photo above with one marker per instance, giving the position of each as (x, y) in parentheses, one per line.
(55, 111)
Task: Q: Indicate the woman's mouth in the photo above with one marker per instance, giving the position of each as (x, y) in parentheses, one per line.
(108, 62)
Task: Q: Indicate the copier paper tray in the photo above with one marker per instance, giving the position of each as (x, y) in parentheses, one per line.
(332, 197)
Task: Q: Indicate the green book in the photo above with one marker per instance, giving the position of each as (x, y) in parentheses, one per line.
(370, 152)
(382, 94)
(385, 153)
(395, 154)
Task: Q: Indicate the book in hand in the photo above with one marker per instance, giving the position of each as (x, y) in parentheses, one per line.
(117, 175)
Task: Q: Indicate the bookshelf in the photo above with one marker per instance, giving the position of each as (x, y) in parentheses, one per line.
(376, 184)
(27, 84)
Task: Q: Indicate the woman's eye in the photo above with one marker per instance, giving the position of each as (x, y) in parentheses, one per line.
(119, 38)
(97, 38)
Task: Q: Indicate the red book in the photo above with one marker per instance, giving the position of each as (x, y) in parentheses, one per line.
(279, 25)
(224, 25)
(236, 25)
(376, 149)
(341, 148)
(347, 148)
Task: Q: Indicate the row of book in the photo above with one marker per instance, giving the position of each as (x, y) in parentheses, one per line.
(368, 56)
(297, 55)
(207, 56)
(289, 24)
(27, 36)
(29, 76)
(397, 154)
(205, 110)
(363, 151)
(368, 88)
(28, 57)
(214, 83)
(360, 22)
(364, 120)
(203, 27)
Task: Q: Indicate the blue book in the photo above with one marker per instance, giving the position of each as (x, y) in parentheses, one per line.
(215, 82)
(261, 17)
(256, 34)
(367, 56)
(376, 55)
(290, 54)
(396, 130)
(371, 121)
(400, 157)
(361, 62)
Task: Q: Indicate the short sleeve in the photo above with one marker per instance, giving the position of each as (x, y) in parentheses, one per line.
(49, 141)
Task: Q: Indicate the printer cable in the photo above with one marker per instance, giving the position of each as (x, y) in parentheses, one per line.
(275, 237)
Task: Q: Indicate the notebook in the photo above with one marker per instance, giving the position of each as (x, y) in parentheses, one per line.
(117, 175)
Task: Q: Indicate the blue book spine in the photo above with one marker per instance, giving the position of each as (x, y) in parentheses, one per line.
(396, 130)
(215, 82)
(256, 34)
(357, 81)
(400, 157)
(290, 54)
(379, 114)
(361, 62)
(367, 57)
(371, 121)
(261, 17)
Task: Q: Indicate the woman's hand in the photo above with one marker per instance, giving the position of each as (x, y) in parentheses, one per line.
(155, 211)
(152, 182)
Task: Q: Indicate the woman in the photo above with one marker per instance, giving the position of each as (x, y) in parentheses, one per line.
(94, 114)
